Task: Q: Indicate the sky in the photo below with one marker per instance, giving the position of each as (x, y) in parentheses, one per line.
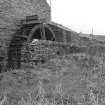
(86, 16)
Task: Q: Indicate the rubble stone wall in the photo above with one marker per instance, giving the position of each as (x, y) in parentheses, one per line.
(12, 11)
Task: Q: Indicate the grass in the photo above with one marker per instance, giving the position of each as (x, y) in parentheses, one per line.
(67, 68)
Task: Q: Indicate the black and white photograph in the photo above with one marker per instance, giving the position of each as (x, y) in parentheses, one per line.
(52, 52)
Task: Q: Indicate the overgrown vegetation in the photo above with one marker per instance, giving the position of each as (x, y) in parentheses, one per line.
(69, 79)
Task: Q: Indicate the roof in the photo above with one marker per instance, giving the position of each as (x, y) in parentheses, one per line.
(60, 26)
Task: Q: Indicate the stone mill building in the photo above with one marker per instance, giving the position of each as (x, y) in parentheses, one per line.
(23, 20)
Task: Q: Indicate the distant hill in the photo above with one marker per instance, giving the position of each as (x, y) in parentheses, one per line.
(96, 37)
(100, 37)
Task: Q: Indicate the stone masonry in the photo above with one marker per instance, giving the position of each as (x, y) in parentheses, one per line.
(12, 11)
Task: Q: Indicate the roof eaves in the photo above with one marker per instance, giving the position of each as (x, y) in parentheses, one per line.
(60, 26)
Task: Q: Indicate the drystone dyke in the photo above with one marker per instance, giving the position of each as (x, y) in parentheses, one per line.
(44, 50)
(38, 52)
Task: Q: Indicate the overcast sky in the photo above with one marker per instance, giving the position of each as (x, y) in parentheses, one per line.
(80, 15)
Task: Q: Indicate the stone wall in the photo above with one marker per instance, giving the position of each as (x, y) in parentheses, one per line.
(11, 11)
